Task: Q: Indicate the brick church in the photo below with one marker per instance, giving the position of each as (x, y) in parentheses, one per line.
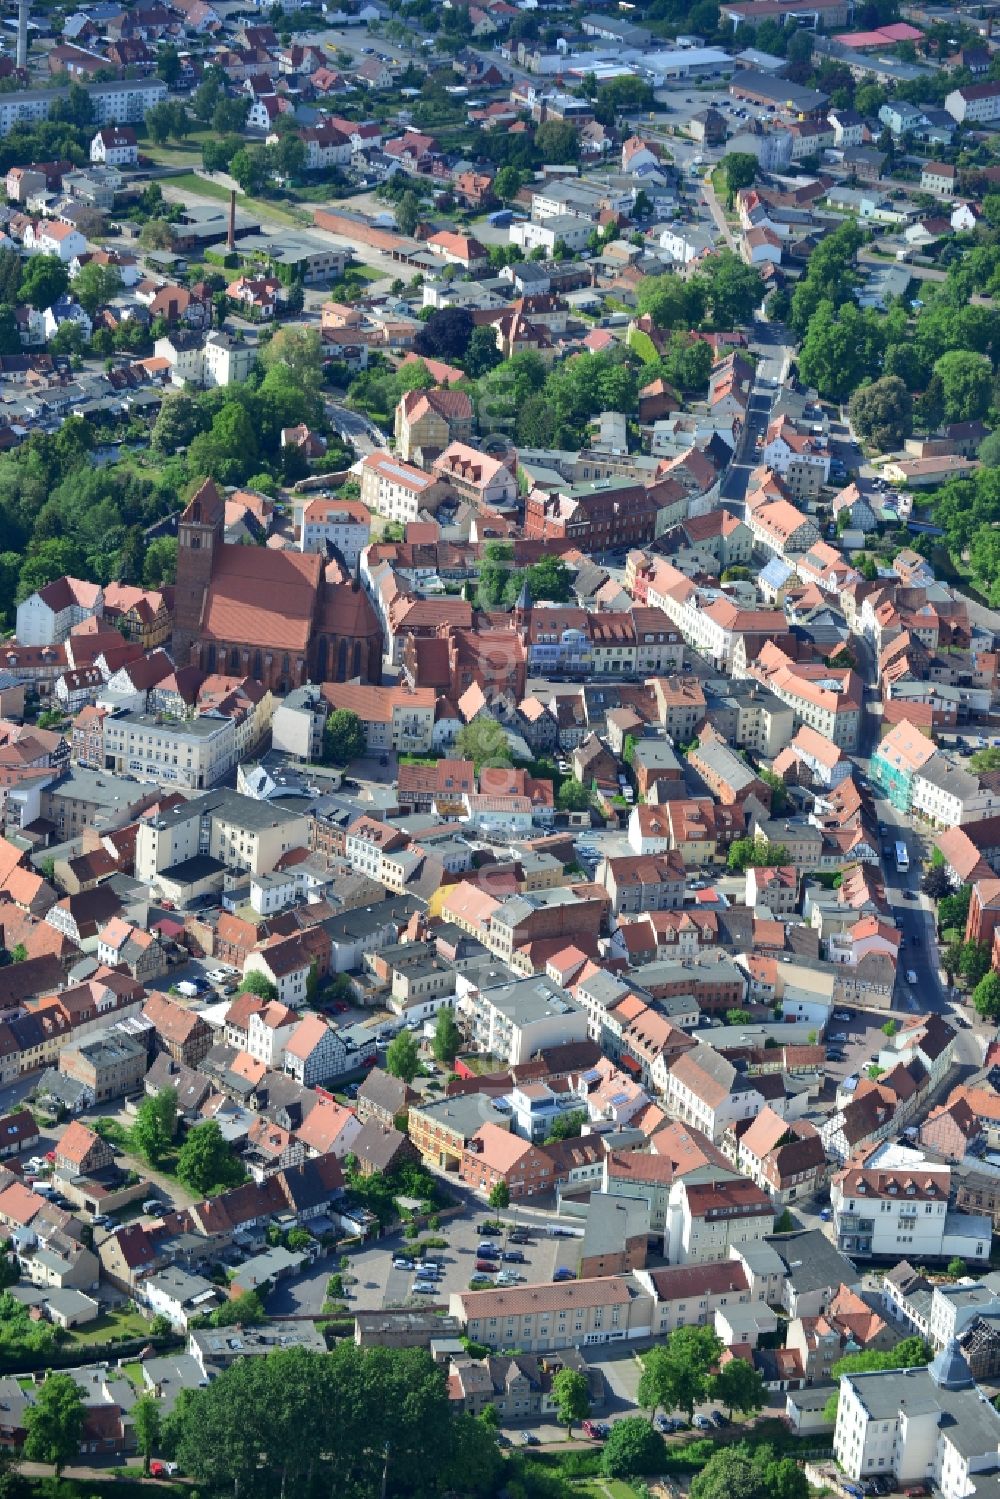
(285, 618)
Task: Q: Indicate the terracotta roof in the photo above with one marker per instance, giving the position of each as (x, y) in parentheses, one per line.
(261, 597)
(76, 1142)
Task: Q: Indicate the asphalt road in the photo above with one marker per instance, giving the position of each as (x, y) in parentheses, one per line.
(357, 429)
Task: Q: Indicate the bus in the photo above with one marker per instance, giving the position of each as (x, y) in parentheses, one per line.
(902, 858)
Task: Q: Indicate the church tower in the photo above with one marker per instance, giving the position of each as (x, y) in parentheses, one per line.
(199, 533)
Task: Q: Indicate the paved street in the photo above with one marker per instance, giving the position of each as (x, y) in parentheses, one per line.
(357, 429)
(718, 212)
(772, 344)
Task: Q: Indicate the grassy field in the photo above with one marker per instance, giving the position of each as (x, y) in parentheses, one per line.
(641, 344)
(204, 187)
(123, 1324)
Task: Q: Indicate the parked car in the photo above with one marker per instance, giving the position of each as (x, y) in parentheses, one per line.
(514, 1256)
(519, 1236)
(719, 1419)
(487, 1251)
(825, 1214)
(425, 1288)
(486, 1267)
(529, 1439)
(399, 1263)
(562, 1273)
(702, 1423)
(843, 1014)
(837, 1036)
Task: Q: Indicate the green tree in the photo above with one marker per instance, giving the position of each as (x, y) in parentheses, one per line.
(572, 1397)
(752, 853)
(446, 334)
(344, 737)
(567, 1126)
(890, 1028)
(447, 1038)
(739, 1387)
(840, 348)
(967, 384)
(245, 1310)
(482, 353)
(160, 564)
(10, 337)
(779, 791)
(168, 63)
(159, 120)
(671, 302)
(44, 281)
(633, 1447)
(146, 1420)
(96, 285)
(508, 183)
(54, 1424)
(549, 579)
(204, 1161)
(499, 1197)
(733, 290)
(11, 270)
(953, 910)
(408, 212)
(986, 997)
(229, 116)
(294, 355)
(675, 1374)
(935, 882)
(741, 171)
(259, 984)
(882, 412)
(557, 142)
(985, 759)
(783, 1224)
(574, 796)
(483, 742)
(178, 420)
(907, 1354)
(402, 1057)
(152, 1133)
(249, 168)
(975, 964)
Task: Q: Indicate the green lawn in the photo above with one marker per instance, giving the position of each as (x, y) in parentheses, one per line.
(640, 343)
(601, 1488)
(133, 1373)
(122, 1324)
(190, 182)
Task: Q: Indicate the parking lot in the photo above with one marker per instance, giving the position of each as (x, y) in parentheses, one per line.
(377, 1283)
(863, 1038)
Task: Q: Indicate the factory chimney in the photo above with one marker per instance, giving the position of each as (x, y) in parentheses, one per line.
(22, 33)
(231, 236)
